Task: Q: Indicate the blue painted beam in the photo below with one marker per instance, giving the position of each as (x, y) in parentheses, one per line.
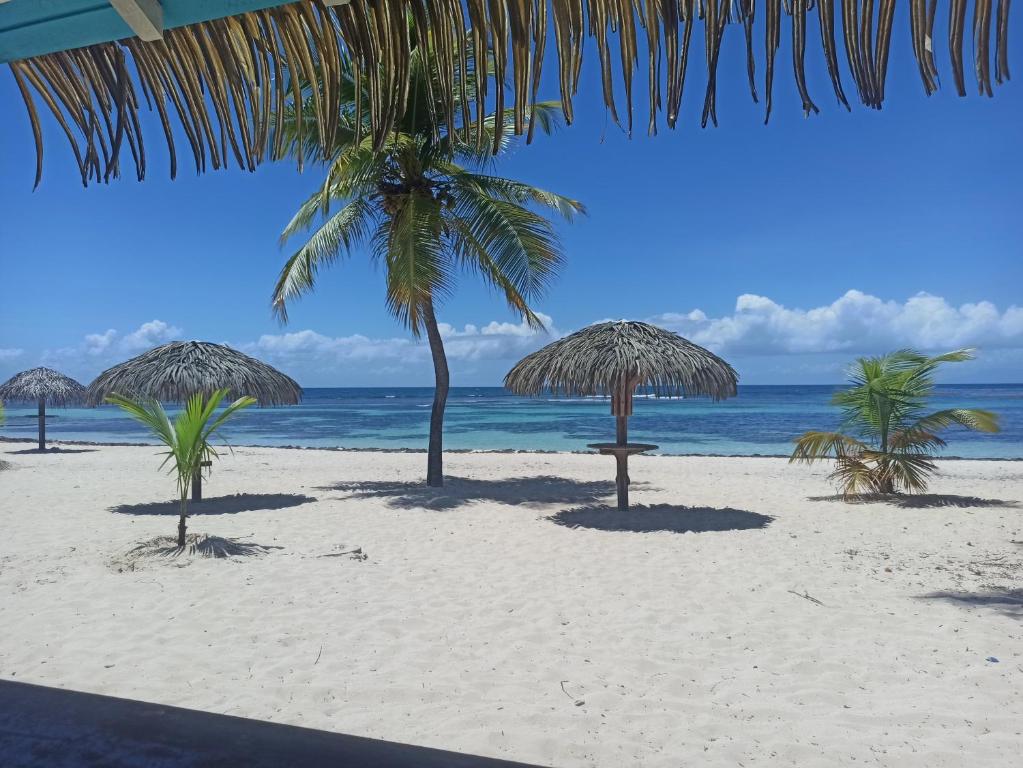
(34, 27)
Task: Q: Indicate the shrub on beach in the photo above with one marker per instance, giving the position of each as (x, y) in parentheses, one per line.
(886, 442)
(187, 438)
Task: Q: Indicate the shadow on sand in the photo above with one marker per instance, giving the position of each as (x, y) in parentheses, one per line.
(218, 505)
(199, 545)
(1008, 602)
(534, 491)
(37, 452)
(49, 726)
(919, 500)
(662, 517)
(164, 550)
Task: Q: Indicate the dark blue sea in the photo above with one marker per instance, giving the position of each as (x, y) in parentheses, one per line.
(761, 420)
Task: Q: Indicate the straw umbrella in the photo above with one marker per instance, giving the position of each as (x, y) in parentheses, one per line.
(176, 371)
(614, 359)
(43, 385)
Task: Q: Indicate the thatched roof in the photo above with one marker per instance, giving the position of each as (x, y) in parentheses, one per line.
(600, 359)
(46, 383)
(219, 82)
(176, 371)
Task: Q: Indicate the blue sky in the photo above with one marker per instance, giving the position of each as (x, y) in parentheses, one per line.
(789, 249)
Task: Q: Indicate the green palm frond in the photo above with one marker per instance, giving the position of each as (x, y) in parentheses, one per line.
(489, 138)
(151, 415)
(507, 239)
(471, 250)
(970, 418)
(339, 235)
(513, 191)
(187, 438)
(410, 243)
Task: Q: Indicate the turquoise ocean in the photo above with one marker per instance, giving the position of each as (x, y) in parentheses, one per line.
(761, 420)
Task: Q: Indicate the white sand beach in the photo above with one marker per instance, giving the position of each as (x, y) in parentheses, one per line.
(766, 625)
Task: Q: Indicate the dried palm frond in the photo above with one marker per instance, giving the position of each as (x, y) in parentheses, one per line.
(220, 82)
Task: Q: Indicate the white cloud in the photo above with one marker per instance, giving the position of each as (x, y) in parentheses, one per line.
(856, 322)
(498, 341)
(146, 336)
(97, 351)
(766, 341)
(313, 352)
(149, 335)
(98, 343)
(309, 344)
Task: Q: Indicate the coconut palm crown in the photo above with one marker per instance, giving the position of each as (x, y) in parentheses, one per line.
(427, 209)
(887, 441)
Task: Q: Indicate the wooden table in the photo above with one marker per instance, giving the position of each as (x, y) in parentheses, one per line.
(621, 452)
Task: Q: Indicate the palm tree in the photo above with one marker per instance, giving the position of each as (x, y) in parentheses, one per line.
(427, 209)
(886, 441)
(187, 438)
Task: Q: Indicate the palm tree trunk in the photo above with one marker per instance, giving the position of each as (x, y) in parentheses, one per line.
(181, 521)
(435, 458)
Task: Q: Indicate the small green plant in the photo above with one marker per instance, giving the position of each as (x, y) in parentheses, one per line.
(887, 442)
(187, 438)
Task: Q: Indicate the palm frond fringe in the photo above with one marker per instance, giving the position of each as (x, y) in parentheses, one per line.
(177, 371)
(603, 358)
(219, 82)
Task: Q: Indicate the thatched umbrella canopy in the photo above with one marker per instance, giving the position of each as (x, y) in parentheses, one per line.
(614, 359)
(42, 386)
(218, 81)
(176, 371)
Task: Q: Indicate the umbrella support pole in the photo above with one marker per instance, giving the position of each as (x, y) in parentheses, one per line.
(621, 409)
(622, 481)
(42, 423)
(622, 461)
(621, 448)
(197, 481)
